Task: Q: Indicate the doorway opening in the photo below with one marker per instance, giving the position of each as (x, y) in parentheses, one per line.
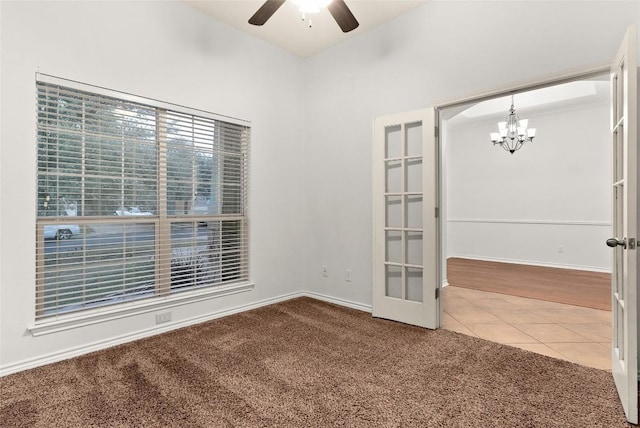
(524, 261)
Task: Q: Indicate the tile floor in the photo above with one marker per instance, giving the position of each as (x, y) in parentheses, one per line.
(572, 333)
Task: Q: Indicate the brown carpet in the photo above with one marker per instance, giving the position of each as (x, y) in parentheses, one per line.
(306, 363)
(569, 286)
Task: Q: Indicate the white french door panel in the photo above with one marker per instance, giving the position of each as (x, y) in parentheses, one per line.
(624, 128)
(405, 223)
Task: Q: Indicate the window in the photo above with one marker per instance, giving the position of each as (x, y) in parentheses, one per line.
(136, 198)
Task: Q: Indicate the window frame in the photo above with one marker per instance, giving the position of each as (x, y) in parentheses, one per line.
(163, 221)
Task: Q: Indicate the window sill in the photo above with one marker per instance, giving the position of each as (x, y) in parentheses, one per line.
(100, 315)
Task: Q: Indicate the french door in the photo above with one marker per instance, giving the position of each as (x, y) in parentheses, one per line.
(405, 223)
(624, 138)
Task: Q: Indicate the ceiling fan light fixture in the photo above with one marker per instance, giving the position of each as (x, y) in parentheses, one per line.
(337, 8)
(311, 6)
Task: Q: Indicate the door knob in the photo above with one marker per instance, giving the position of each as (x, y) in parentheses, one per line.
(614, 242)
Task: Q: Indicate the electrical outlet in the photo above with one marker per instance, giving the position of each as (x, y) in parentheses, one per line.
(325, 271)
(561, 249)
(160, 318)
(347, 275)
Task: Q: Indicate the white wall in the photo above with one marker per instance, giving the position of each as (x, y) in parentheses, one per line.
(167, 51)
(444, 50)
(555, 192)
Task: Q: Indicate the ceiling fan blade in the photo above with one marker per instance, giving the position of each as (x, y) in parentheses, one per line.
(265, 12)
(343, 16)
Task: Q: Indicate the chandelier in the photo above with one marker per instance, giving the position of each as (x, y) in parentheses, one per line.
(513, 133)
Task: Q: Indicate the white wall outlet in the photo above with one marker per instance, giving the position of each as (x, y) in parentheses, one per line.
(165, 317)
(347, 275)
(325, 271)
(561, 249)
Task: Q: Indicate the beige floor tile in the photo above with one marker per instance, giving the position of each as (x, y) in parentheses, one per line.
(587, 331)
(469, 293)
(601, 316)
(448, 320)
(595, 313)
(518, 316)
(572, 316)
(450, 290)
(539, 348)
(456, 302)
(474, 316)
(539, 304)
(548, 333)
(459, 328)
(599, 332)
(501, 333)
(494, 303)
(587, 354)
(522, 301)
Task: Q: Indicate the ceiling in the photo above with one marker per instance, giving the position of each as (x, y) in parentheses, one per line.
(287, 30)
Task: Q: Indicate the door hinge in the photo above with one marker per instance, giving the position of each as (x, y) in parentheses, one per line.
(437, 293)
(437, 212)
(436, 131)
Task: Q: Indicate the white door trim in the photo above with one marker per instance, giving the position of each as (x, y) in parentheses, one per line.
(527, 85)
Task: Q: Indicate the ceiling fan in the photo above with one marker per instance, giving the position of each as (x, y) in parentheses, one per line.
(337, 8)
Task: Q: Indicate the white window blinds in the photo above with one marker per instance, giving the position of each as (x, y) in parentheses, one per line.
(136, 199)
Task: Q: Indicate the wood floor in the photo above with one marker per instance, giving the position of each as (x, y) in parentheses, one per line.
(568, 286)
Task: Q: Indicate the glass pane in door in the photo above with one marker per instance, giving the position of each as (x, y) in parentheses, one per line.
(393, 211)
(393, 279)
(413, 248)
(393, 176)
(618, 338)
(413, 137)
(413, 212)
(393, 141)
(618, 165)
(413, 177)
(618, 232)
(393, 242)
(413, 284)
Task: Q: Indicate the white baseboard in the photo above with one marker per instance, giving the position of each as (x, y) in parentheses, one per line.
(532, 263)
(342, 302)
(104, 344)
